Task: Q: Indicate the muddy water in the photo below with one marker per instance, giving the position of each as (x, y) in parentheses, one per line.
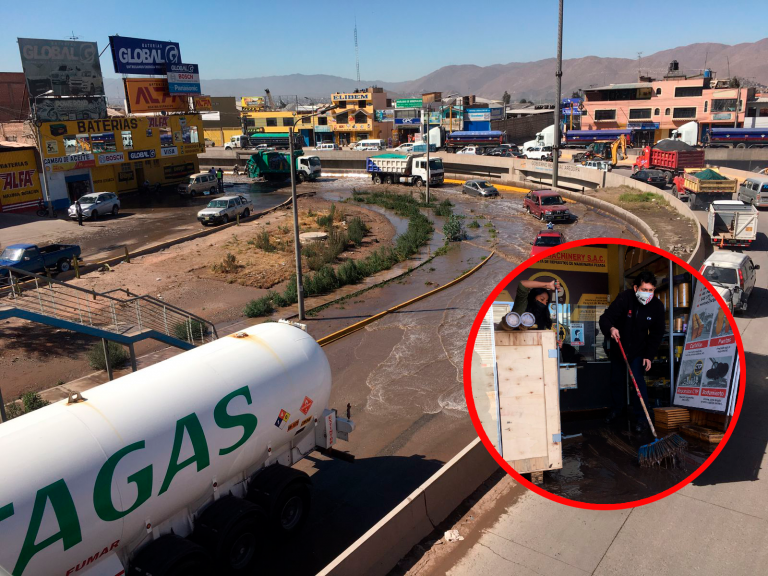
(601, 466)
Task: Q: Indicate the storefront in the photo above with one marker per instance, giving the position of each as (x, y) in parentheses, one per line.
(118, 154)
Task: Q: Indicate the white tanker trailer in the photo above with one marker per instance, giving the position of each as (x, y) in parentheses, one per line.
(180, 468)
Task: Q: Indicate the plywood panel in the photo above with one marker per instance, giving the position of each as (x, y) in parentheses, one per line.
(521, 398)
(485, 398)
(552, 400)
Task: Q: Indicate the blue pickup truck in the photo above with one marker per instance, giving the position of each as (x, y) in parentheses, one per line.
(31, 258)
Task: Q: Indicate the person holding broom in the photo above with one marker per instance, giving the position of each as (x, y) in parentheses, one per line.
(636, 318)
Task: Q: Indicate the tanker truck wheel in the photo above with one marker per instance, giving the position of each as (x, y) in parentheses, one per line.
(284, 493)
(171, 555)
(232, 531)
(292, 508)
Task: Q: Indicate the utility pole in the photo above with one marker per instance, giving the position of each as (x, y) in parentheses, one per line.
(558, 103)
(426, 114)
(296, 240)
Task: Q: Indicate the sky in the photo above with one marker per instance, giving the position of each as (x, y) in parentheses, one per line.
(398, 40)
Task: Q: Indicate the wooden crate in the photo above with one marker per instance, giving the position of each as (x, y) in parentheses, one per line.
(706, 419)
(701, 433)
(668, 420)
(529, 400)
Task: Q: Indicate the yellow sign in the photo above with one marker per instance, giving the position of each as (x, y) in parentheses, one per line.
(203, 103)
(19, 180)
(577, 260)
(151, 95)
(252, 101)
(90, 143)
(353, 96)
(352, 127)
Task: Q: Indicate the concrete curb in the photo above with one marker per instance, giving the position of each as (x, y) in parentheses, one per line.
(378, 550)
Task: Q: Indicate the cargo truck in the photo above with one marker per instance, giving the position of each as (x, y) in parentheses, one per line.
(273, 166)
(544, 138)
(671, 162)
(732, 223)
(405, 169)
(737, 137)
(702, 187)
(484, 139)
(181, 468)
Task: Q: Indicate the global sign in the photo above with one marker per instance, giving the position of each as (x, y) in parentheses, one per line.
(183, 79)
(137, 56)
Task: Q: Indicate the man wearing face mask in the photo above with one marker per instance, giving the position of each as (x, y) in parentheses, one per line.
(637, 319)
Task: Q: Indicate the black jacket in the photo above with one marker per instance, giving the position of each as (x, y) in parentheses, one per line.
(641, 327)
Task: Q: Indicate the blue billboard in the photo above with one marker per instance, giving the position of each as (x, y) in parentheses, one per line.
(138, 56)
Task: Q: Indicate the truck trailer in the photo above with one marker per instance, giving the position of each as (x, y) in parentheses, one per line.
(737, 137)
(702, 187)
(180, 468)
(273, 166)
(732, 224)
(671, 162)
(586, 137)
(484, 139)
(405, 169)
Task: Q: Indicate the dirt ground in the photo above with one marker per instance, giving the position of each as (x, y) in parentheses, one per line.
(34, 357)
(677, 234)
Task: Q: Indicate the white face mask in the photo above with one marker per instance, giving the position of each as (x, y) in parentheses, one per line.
(643, 297)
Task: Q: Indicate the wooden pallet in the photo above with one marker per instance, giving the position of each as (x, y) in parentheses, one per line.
(669, 419)
(701, 433)
(708, 420)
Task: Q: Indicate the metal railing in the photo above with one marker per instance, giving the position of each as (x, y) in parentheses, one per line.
(131, 315)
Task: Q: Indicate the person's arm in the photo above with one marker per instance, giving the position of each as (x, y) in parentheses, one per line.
(537, 284)
(610, 318)
(521, 298)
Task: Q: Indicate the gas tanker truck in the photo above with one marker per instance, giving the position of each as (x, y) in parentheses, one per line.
(181, 468)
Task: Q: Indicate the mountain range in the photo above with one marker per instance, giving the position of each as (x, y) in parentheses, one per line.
(530, 80)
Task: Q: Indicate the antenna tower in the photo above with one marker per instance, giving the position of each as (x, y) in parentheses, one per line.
(357, 56)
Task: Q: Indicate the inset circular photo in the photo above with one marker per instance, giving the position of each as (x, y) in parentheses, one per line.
(607, 373)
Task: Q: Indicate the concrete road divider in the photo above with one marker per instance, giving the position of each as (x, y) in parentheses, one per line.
(378, 550)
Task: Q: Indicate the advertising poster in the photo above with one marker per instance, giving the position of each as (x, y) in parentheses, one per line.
(151, 95)
(706, 368)
(19, 180)
(384, 115)
(183, 79)
(67, 67)
(577, 334)
(203, 103)
(54, 109)
(585, 259)
(138, 56)
(252, 101)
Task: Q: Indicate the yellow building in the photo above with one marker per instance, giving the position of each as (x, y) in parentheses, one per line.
(354, 119)
(311, 128)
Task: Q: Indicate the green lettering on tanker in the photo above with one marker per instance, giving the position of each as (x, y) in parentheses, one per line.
(199, 449)
(66, 517)
(224, 420)
(6, 511)
(102, 489)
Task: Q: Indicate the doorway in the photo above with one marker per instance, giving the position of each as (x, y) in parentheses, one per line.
(77, 186)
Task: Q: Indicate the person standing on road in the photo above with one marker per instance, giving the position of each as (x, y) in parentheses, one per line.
(220, 178)
(79, 210)
(637, 319)
(212, 171)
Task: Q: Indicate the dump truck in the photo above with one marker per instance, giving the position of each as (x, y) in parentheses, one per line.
(702, 187)
(404, 169)
(485, 139)
(732, 224)
(273, 166)
(184, 467)
(671, 162)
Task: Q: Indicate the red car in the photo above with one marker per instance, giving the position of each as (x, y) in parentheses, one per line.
(547, 205)
(546, 239)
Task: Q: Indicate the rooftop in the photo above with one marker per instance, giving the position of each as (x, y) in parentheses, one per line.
(629, 86)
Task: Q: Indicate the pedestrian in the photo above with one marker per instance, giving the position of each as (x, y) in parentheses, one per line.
(389, 142)
(79, 210)
(236, 170)
(212, 171)
(220, 178)
(637, 319)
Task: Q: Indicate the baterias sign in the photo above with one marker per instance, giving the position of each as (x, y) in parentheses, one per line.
(137, 56)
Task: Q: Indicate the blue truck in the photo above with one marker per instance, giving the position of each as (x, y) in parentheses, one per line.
(737, 137)
(38, 259)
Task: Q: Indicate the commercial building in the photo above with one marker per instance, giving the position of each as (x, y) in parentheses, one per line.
(653, 108)
(118, 154)
(19, 178)
(223, 120)
(14, 98)
(757, 113)
(355, 117)
(313, 129)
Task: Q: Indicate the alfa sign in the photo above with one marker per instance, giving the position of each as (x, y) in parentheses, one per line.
(19, 180)
(203, 103)
(151, 95)
(137, 56)
(183, 79)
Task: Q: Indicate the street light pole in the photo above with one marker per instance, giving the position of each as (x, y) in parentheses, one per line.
(296, 242)
(426, 114)
(558, 102)
(44, 179)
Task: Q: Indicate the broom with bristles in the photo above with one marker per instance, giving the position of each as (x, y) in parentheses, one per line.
(661, 448)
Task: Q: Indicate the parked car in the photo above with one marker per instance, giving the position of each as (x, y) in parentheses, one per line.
(733, 275)
(405, 148)
(597, 165)
(546, 239)
(504, 152)
(224, 209)
(470, 150)
(653, 177)
(538, 153)
(327, 146)
(96, 204)
(547, 205)
(479, 188)
(31, 258)
(209, 143)
(200, 183)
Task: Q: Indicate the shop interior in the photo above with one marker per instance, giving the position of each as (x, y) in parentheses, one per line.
(599, 461)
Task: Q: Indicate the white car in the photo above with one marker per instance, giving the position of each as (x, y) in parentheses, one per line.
(225, 209)
(470, 150)
(733, 275)
(539, 153)
(598, 165)
(405, 148)
(96, 204)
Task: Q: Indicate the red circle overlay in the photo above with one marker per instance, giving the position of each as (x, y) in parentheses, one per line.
(468, 376)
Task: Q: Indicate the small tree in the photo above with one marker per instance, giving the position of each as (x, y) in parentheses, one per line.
(523, 101)
(454, 229)
(506, 98)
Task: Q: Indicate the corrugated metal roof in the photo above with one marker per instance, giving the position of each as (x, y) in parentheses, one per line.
(621, 86)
